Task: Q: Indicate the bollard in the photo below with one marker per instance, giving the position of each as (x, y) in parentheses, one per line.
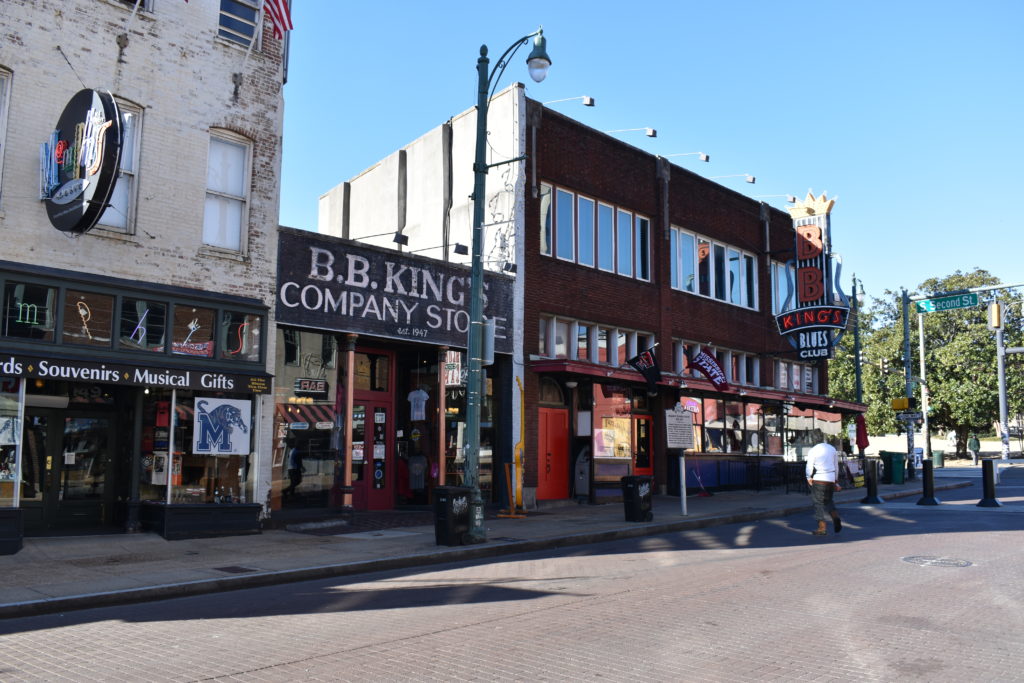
(871, 480)
(988, 499)
(928, 477)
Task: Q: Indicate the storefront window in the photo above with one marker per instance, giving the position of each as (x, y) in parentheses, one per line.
(192, 334)
(212, 442)
(734, 440)
(29, 311)
(143, 325)
(240, 336)
(88, 318)
(10, 437)
(714, 426)
(156, 445)
(372, 372)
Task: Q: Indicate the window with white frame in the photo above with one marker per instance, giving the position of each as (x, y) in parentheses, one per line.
(227, 192)
(5, 90)
(708, 268)
(238, 19)
(593, 234)
(783, 277)
(567, 338)
(119, 216)
(739, 367)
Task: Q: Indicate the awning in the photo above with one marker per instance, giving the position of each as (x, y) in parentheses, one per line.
(314, 416)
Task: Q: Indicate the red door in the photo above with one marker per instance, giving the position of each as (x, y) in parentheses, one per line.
(552, 453)
(372, 461)
(643, 462)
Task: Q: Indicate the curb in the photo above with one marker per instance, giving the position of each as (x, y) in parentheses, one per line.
(453, 554)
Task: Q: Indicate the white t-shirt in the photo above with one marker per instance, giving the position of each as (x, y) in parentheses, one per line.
(822, 460)
(418, 404)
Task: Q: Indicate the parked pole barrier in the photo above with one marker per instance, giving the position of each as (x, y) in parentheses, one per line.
(988, 480)
(871, 479)
(928, 477)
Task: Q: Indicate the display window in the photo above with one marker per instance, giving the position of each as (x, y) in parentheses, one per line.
(29, 311)
(193, 330)
(143, 325)
(10, 440)
(240, 336)
(196, 448)
(88, 318)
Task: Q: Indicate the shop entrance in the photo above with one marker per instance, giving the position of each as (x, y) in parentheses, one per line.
(69, 471)
(642, 461)
(372, 464)
(552, 453)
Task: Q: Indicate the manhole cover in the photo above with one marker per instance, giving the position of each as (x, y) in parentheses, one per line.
(933, 561)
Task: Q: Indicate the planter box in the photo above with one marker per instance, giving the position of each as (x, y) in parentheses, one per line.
(11, 530)
(179, 521)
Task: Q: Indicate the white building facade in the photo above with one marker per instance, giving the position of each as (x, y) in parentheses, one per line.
(137, 352)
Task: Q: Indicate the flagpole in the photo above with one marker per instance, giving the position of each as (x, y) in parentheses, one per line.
(257, 32)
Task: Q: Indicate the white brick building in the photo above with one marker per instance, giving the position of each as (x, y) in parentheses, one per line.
(171, 289)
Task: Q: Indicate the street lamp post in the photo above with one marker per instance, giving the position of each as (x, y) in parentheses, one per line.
(538, 63)
(857, 371)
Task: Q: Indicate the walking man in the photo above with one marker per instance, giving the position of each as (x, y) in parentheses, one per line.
(973, 446)
(822, 471)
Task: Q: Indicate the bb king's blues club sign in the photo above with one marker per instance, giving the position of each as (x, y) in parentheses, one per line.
(78, 166)
(815, 311)
(338, 285)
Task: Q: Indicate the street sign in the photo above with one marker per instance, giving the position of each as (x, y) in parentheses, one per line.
(909, 417)
(947, 303)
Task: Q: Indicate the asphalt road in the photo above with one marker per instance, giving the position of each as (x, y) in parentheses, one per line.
(905, 592)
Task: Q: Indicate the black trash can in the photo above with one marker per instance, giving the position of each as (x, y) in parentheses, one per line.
(636, 498)
(451, 515)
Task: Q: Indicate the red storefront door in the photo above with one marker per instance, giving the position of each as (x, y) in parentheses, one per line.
(552, 453)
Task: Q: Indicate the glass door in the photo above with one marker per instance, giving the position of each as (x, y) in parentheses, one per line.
(372, 457)
(68, 473)
(642, 442)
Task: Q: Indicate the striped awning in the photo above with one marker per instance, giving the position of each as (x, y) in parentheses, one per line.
(310, 414)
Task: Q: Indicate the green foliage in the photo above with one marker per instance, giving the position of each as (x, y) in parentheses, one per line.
(960, 358)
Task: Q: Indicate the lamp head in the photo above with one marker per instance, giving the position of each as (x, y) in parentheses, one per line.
(538, 62)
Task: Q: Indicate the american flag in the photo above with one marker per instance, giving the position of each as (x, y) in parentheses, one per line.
(280, 16)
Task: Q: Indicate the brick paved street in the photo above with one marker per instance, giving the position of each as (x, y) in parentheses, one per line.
(744, 602)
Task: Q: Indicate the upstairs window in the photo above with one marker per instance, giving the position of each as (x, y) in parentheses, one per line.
(238, 20)
(227, 182)
(119, 215)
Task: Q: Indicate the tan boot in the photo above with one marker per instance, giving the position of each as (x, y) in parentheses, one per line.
(821, 530)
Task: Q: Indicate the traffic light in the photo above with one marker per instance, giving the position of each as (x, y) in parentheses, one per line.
(995, 315)
(863, 358)
(884, 365)
(901, 403)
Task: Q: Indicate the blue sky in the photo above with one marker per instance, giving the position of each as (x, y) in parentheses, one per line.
(909, 112)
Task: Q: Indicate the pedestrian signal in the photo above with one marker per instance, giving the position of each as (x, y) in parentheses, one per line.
(995, 315)
(900, 403)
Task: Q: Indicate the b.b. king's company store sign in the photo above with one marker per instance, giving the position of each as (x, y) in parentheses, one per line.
(78, 166)
(333, 284)
(811, 318)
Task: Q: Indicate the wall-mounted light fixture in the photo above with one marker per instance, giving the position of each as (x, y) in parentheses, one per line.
(588, 101)
(789, 197)
(649, 132)
(701, 155)
(572, 384)
(750, 179)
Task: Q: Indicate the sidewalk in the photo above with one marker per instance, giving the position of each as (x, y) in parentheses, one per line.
(66, 573)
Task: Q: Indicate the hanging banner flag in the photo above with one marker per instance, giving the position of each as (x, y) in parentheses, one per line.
(709, 367)
(280, 16)
(646, 363)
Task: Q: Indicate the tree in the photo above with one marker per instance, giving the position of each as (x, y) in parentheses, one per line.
(960, 358)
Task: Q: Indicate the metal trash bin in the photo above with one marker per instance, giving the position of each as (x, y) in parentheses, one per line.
(636, 498)
(451, 515)
(938, 458)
